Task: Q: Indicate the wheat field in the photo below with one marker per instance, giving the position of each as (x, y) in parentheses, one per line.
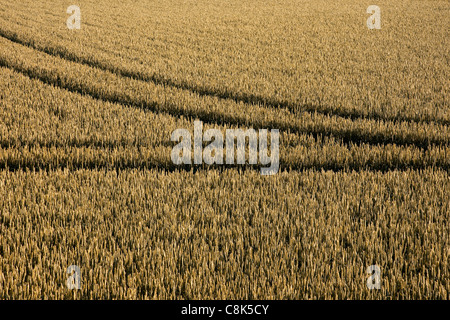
(86, 176)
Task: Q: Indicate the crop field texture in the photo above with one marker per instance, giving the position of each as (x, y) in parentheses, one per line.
(86, 176)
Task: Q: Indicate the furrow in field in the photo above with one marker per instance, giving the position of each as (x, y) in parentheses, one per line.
(110, 87)
(222, 93)
(58, 121)
(87, 179)
(74, 158)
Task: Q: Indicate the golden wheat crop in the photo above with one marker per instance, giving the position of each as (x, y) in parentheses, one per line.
(86, 176)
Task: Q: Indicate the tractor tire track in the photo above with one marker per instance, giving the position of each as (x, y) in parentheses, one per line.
(247, 98)
(346, 135)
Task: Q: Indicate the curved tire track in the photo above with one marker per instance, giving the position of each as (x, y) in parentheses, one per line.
(347, 136)
(246, 98)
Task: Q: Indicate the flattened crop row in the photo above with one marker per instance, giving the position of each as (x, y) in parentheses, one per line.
(113, 88)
